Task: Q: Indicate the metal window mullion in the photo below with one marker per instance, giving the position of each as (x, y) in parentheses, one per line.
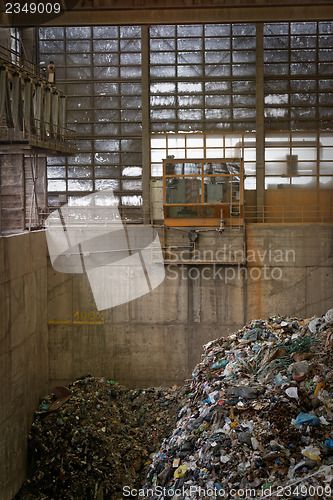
(232, 79)
(118, 81)
(203, 92)
(289, 77)
(289, 102)
(145, 110)
(92, 111)
(318, 121)
(176, 80)
(260, 130)
(66, 65)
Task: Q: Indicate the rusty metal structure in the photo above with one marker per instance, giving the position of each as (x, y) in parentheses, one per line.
(203, 192)
(32, 126)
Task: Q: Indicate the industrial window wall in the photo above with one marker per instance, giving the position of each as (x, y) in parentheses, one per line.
(202, 90)
(100, 70)
(292, 159)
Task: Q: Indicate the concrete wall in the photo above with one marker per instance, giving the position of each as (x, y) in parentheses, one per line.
(12, 196)
(158, 338)
(306, 285)
(23, 349)
(50, 331)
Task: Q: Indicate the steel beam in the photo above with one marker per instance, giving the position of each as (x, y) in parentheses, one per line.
(260, 133)
(145, 124)
(191, 15)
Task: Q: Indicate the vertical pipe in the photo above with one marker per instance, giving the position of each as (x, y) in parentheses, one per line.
(38, 109)
(1, 162)
(145, 124)
(17, 101)
(5, 99)
(3, 87)
(55, 113)
(47, 110)
(27, 109)
(260, 132)
(62, 116)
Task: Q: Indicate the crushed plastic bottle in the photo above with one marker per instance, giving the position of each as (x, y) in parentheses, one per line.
(220, 364)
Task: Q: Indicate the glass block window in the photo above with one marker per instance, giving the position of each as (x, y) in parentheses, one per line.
(202, 77)
(99, 68)
(299, 160)
(202, 103)
(298, 62)
(198, 146)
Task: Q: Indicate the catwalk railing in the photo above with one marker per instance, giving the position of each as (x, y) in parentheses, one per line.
(289, 214)
(40, 134)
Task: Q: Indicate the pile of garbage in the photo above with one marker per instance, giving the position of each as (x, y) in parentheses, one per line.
(92, 438)
(258, 422)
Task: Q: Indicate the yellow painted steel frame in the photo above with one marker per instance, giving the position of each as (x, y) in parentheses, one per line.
(222, 210)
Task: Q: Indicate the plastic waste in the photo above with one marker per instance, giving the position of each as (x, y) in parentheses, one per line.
(220, 364)
(181, 471)
(245, 437)
(329, 316)
(280, 379)
(299, 370)
(214, 396)
(292, 392)
(243, 391)
(329, 443)
(311, 452)
(307, 418)
(314, 324)
(320, 386)
(232, 367)
(255, 443)
(253, 334)
(44, 407)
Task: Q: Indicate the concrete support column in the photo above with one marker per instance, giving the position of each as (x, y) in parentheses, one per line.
(5, 38)
(145, 125)
(27, 36)
(12, 193)
(260, 132)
